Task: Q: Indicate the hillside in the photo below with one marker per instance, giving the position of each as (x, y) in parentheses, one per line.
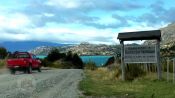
(168, 36)
(26, 45)
(81, 49)
(168, 40)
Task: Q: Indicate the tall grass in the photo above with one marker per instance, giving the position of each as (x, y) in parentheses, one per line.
(90, 65)
(2, 63)
(98, 84)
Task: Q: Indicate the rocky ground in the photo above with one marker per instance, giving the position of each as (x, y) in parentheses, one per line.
(54, 83)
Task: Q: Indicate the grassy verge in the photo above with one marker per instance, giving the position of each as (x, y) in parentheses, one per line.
(99, 84)
(2, 63)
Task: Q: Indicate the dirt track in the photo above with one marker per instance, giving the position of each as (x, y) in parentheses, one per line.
(56, 83)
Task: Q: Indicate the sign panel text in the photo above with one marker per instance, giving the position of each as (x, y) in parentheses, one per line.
(140, 54)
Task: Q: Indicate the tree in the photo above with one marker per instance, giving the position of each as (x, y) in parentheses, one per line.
(76, 60)
(54, 55)
(3, 52)
(69, 56)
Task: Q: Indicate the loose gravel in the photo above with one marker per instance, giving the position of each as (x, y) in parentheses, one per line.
(55, 83)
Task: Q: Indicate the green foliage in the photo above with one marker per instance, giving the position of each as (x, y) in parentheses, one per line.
(133, 71)
(2, 63)
(54, 55)
(109, 61)
(3, 52)
(90, 65)
(76, 60)
(46, 63)
(95, 87)
(62, 60)
(69, 56)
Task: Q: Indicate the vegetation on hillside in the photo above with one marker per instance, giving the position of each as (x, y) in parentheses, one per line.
(3, 52)
(90, 65)
(62, 60)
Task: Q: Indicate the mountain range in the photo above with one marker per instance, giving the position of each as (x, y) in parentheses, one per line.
(84, 48)
(27, 45)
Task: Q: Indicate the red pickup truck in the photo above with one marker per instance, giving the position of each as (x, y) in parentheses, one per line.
(23, 61)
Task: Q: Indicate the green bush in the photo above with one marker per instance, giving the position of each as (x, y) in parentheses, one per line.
(54, 55)
(62, 60)
(109, 61)
(2, 63)
(90, 65)
(46, 63)
(133, 71)
(3, 52)
(76, 60)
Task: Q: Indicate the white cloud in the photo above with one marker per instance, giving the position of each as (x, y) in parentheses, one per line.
(64, 3)
(49, 14)
(33, 25)
(14, 21)
(60, 34)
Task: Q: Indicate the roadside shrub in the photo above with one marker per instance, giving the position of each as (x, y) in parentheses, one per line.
(112, 60)
(109, 61)
(90, 65)
(2, 63)
(45, 62)
(133, 71)
(76, 60)
(62, 64)
(62, 60)
(3, 52)
(69, 56)
(54, 55)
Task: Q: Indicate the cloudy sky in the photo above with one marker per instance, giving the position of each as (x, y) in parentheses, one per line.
(75, 21)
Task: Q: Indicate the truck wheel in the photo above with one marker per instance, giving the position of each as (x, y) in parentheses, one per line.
(25, 70)
(29, 69)
(12, 71)
(39, 69)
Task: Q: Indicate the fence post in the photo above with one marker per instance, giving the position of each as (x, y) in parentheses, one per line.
(173, 69)
(168, 61)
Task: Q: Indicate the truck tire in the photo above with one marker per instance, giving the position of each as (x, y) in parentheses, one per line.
(39, 69)
(25, 70)
(29, 69)
(12, 71)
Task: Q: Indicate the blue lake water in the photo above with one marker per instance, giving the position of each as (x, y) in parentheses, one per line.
(41, 56)
(98, 60)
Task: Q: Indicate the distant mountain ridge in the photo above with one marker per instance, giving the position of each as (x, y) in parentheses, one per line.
(168, 36)
(27, 45)
(81, 49)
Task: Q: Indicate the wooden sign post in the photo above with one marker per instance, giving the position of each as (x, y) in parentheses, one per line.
(140, 55)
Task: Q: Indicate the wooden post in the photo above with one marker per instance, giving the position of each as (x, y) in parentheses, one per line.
(146, 67)
(122, 60)
(158, 60)
(173, 70)
(168, 64)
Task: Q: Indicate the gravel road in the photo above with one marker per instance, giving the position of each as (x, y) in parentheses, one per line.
(55, 83)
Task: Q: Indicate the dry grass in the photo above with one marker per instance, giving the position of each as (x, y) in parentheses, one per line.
(2, 63)
(104, 74)
(102, 82)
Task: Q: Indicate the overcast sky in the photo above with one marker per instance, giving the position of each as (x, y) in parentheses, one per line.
(75, 21)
